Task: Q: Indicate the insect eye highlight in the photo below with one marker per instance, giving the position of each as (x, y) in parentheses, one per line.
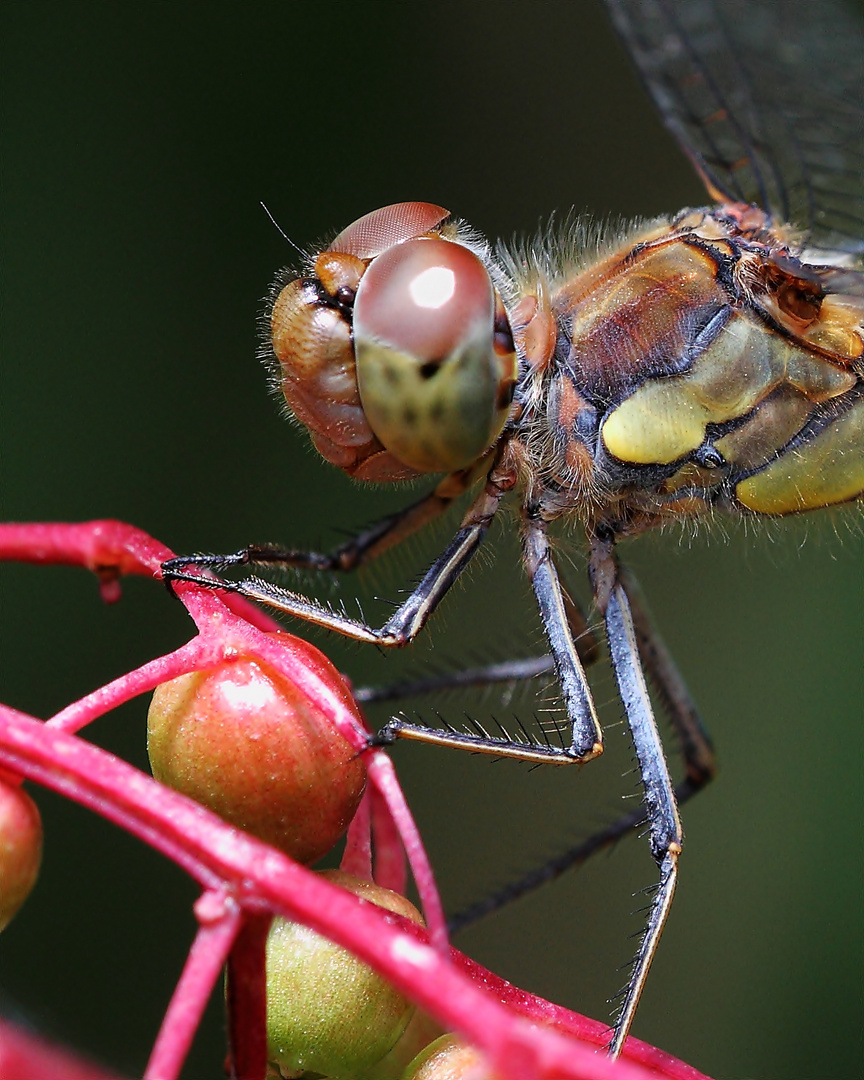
(434, 370)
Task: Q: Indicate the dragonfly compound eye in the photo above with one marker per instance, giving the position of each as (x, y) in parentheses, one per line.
(379, 230)
(435, 361)
(311, 338)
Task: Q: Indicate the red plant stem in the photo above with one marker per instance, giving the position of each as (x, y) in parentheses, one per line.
(390, 868)
(111, 544)
(38, 753)
(247, 999)
(357, 857)
(383, 776)
(102, 546)
(193, 656)
(221, 633)
(261, 878)
(24, 1056)
(220, 919)
(109, 548)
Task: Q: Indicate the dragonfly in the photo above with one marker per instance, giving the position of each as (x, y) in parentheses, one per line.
(707, 364)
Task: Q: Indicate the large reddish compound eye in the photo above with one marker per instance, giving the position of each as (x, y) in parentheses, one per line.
(435, 372)
(379, 230)
(311, 338)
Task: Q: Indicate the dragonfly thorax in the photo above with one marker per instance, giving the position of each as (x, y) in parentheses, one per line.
(699, 366)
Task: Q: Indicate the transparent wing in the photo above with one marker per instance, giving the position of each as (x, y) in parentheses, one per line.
(767, 99)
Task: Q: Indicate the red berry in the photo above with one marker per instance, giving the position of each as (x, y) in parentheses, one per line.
(447, 1059)
(421, 1031)
(20, 848)
(241, 739)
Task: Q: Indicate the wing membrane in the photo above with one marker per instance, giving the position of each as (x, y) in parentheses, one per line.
(766, 98)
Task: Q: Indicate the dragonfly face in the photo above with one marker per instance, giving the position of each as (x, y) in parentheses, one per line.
(708, 363)
(396, 351)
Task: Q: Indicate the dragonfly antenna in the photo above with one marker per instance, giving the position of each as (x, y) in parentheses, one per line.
(281, 231)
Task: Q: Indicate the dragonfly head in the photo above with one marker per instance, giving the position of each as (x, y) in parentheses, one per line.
(396, 351)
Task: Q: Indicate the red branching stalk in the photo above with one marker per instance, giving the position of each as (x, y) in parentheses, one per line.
(220, 919)
(383, 778)
(247, 999)
(389, 853)
(245, 882)
(357, 856)
(25, 1057)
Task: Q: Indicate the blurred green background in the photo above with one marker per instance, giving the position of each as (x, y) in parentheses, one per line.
(138, 140)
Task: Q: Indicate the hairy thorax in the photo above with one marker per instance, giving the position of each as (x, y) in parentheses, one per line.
(703, 364)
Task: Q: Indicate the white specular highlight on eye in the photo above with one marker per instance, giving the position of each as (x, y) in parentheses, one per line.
(434, 287)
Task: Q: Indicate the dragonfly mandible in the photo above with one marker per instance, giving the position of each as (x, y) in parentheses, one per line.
(710, 363)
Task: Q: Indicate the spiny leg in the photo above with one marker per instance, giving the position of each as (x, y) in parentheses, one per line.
(408, 619)
(661, 811)
(557, 613)
(628, 647)
(696, 751)
(360, 549)
(632, 643)
(504, 671)
(695, 744)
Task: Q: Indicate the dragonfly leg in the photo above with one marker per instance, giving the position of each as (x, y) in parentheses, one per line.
(661, 811)
(362, 548)
(559, 616)
(555, 611)
(510, 671)
(564, 623)
(695, 742)
(696, 751)
(408, 619)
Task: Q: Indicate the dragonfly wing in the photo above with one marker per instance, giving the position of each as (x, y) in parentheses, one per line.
(767, 100)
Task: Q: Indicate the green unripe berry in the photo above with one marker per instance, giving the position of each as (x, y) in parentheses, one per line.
(327, 1012)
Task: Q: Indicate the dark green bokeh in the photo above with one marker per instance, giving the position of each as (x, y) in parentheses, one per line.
(139, 139)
